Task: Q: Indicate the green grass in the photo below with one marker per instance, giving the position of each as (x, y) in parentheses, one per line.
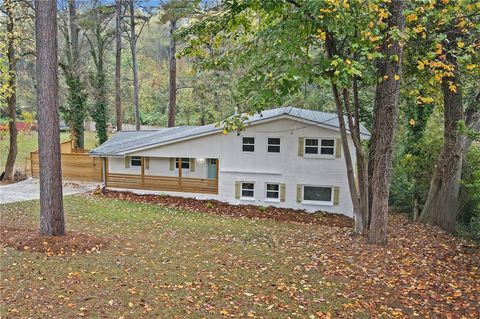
(29, 142)
(166, 263)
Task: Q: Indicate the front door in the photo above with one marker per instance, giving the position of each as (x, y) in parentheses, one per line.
(212, 168)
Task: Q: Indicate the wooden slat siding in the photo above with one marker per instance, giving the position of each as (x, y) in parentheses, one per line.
(76, 166)
(163, 183)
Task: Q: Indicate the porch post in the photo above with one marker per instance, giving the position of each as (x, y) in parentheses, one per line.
(217, 169)
(179, 163)
(143, 169)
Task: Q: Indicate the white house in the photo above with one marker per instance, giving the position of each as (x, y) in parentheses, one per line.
(286, 157)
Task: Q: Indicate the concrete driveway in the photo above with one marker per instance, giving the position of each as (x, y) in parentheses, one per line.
(30, 189)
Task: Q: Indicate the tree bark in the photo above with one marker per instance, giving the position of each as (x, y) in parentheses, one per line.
(172, 90)
(441, 206)
(12, 97)
(118, 64)
(133, 48)
(385, 114)
(52, 221)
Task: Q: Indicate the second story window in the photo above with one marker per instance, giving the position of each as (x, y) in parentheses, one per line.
(328, 147)
(311, 146)
(136, 161)
(317, 146)
(274, 145)
(248, 144)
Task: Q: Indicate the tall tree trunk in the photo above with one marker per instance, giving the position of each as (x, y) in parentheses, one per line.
(441, 205)
(361, 168)
(362, 164)
(133, 48)
(385, 114)
(172, 88)
(12, 97)
(357, 215)
(52, 221)
(118, 64)
(78, 97)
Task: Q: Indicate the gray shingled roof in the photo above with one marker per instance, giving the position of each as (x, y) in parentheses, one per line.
(125, 142)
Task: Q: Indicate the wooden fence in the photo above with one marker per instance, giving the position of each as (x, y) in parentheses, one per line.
(76, 164)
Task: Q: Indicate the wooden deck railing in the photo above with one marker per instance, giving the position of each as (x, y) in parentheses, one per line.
(163, 183)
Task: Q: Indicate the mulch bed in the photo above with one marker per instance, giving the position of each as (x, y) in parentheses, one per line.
(223, 209)
(27, 239)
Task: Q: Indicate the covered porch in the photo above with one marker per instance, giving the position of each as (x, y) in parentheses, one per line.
(174, 174)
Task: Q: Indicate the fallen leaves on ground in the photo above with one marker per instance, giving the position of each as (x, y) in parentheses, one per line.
(28, 239)
(225, 209)
(165, 262)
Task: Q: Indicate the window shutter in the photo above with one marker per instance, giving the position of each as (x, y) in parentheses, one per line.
(237, 190)
(338, 148)
(127, 161)
(299, 193)
(336, 195)
(301, 143)
(146, 162)
(172, 163)
(192, 165)
(282, 192)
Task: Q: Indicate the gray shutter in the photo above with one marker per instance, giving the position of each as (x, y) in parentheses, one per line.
(146, 162)
(336, 195)
(301, 145)
(192, 165)
(299, 193)
(237, 190)
(127, 161)
(338, 148)
(172, 163)
(282, 192)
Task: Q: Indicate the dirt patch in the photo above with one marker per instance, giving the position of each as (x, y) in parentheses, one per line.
(27, 239)
(245, 211)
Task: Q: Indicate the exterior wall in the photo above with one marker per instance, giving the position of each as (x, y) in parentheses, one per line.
(159, 166)
(260, 167)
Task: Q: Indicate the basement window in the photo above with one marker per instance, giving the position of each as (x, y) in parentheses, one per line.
(318, 194)
(248, 190)
(273, 191)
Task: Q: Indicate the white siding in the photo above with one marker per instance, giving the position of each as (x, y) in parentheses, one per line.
(260, 166)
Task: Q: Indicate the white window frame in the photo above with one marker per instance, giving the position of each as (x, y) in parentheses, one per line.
(135, 158)
(316, 202)
(244, 144)
(279, 145)
(269, 199)
(247, 198)
(181, 162)
(319, 148)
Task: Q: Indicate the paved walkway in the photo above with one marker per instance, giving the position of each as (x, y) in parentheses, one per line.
(30, 189)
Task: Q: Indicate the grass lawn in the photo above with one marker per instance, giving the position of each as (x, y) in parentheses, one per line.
(161, 262)
(29, 142)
